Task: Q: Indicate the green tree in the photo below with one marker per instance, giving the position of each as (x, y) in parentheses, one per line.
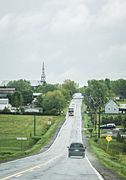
(17, 99)
(108, 83)
(24, 88)
(53, 100)
(98, 92)
(95, 96)
(66, 94)
(39, 102)
(27, 96)
(46, 88)
(110, 94)
(119, 87)
(88, 100)
(124, 122)
(82, 89)
(71, 86)
(20, 85)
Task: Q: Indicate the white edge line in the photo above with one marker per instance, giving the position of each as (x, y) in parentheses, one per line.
(98, 174)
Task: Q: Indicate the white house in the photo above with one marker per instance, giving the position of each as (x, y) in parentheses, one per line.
(6, 91)
(4, 103)
(122, 108)
(111, 107)
(35, 109)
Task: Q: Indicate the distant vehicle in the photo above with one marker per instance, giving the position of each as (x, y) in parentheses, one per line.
(108, 126)
(76, 149)
(71, 111)
(77, 96)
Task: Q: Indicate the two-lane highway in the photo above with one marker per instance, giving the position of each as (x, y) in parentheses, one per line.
(54, 163)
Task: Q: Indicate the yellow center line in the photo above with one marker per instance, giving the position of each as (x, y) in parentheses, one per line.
(31, 169)
(18, 175)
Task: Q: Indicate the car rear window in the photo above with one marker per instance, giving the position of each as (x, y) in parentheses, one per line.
(76, 145)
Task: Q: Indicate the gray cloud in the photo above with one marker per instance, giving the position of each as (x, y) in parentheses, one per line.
(77, 39)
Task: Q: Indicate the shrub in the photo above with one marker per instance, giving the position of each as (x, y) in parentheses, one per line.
(110, 119)
(118, 120)
(6, 110)
(119, 138)
(90, 130)
(124, 122)
(124, 147)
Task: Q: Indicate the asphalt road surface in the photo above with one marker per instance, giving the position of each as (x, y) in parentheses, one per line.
(54, 163)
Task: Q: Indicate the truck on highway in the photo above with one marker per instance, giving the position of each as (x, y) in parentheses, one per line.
(71, 111)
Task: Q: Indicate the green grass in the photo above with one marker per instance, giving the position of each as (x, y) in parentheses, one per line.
(114, 158)
(13, 126)
(18, 125)
(121, 102)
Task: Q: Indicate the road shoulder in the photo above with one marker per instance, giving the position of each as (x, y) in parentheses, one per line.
(105, 172)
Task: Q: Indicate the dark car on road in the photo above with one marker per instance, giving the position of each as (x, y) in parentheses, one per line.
(76, 149)
(108, 126)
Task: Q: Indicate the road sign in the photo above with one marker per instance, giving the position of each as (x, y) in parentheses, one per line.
(49, 122)
(21, 138)
(109, 138)
(89, 122)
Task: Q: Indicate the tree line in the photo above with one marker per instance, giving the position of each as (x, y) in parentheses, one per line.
(53, 98)
(99, 92)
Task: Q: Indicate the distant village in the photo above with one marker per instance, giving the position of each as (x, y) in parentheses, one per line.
(115, 106)
(6, 91)
(111, 107)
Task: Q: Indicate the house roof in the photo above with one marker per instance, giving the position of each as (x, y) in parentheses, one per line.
(122, 106)
(111, 101)
(37, 94)
(32, 82)
(7, 89)
(4, 101)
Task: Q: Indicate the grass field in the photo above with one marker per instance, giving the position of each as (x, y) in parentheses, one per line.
(115, 156)
(13, 126)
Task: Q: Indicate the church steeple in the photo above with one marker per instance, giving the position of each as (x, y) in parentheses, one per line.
(43, 77)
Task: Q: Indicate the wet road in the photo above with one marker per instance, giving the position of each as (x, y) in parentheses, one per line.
(54, 163)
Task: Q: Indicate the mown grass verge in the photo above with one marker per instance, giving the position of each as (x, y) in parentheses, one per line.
(46, 137)
(13, 126)
(113, 160)
(115, 156)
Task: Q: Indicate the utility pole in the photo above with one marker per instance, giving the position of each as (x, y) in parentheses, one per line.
(34, 125)
(99, 123)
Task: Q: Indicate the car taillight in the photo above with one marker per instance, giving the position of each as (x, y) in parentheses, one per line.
(83, 149)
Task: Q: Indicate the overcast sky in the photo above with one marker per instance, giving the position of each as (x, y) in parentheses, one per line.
(76, 39)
